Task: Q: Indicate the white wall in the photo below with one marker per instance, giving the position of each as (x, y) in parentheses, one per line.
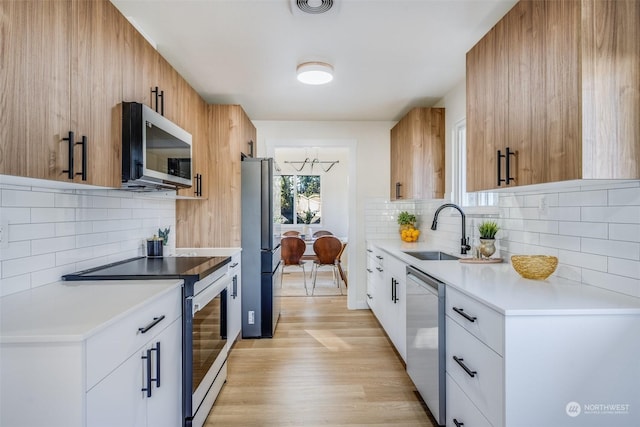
(368, 145)
(49, 232)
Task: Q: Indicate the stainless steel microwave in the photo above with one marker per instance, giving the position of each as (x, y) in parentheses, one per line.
(156, 153)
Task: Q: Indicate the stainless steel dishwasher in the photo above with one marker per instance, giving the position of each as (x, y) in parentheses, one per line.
(426, 340)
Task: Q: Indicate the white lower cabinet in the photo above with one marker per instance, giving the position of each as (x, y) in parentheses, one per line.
(234, 300)
(386, 295)
(122, 398)
(69, 381)
(460, 410)
(559, 368)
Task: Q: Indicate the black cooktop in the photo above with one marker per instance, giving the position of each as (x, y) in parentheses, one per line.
(191, 268)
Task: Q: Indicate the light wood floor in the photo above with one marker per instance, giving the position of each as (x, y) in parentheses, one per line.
(326, 366)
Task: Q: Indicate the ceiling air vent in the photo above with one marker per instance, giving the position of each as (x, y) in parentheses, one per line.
(313, 7)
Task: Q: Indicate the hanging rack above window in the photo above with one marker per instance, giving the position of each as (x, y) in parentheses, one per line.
(313, 162)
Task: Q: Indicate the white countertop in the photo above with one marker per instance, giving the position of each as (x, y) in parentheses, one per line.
(501, 287)
(73, 311)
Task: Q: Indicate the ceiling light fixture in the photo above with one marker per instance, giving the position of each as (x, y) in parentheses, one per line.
(315, 73)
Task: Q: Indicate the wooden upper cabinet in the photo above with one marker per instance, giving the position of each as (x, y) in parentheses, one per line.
(229, 130)
(62, 75)
(96, 88)
(36, 88)
(417, 155)
(552, 83)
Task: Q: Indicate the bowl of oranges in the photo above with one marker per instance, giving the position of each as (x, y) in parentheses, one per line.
(408, 230)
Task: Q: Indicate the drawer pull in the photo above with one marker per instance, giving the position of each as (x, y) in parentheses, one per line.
(369, 296)
(461, 312)
(379, 257)
(234, 265)
(153, 323)
(369, 250)
(459, 361)
(457, 423)
(379, 269)
(369, 270)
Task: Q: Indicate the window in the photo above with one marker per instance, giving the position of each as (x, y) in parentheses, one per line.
(459, 177)
(300, 200)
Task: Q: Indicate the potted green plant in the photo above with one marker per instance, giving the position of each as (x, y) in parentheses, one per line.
(408, 231)
(488, 231)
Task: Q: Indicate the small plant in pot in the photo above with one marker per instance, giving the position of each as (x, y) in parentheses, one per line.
(408, 231)
(488, 231)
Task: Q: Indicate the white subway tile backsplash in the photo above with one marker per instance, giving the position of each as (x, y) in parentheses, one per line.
(625, 232)
(612, 282)
(625, 267)
(584, 198)
(55, 244)
(594, 230)
(561, 213)
(27, 199)
(581, 259)
(560, 242)
(18, 266)
(53, 232)
(15, 250)
(15, 284)
(620, 214)
(20, 232)
(53, 215)
(612, 248)
(16, 215)
(624, 197)
(598, 230)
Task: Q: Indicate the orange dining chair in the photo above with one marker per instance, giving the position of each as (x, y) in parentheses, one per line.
(327, 249)
(320, 233)
(343, 276)
(291, 233)
(292, 249)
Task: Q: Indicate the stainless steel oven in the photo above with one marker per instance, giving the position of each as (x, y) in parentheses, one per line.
(206, 346)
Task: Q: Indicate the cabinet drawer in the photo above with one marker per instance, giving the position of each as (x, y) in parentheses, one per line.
(484, 383)
(461, 409)
(481, 321)
(116, 343)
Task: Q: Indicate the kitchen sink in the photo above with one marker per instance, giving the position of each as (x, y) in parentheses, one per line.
(432, 256)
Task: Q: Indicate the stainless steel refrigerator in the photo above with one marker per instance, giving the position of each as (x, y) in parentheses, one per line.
(260, 249)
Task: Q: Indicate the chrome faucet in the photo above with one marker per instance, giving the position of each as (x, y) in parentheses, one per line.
(464, 241)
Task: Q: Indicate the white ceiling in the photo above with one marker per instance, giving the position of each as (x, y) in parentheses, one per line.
(388, 55)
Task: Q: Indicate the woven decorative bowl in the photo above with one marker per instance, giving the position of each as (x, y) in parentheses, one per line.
(537, 267)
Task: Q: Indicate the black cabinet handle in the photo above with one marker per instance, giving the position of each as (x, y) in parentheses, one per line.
(508, 165)
(157, 378)
(393, 286)
(84, 158)
(398, 185)
(71, 141)
(379, 269)
(461, 312)
(158, 94)
(379, 257)
(369, 296)
(153, 323)
(234, 265)
(198, 191)
(459, 361)
(251, 144)
(369, 270)
(457, 423)
(499, 162)
(369, 250)
(147, 357)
